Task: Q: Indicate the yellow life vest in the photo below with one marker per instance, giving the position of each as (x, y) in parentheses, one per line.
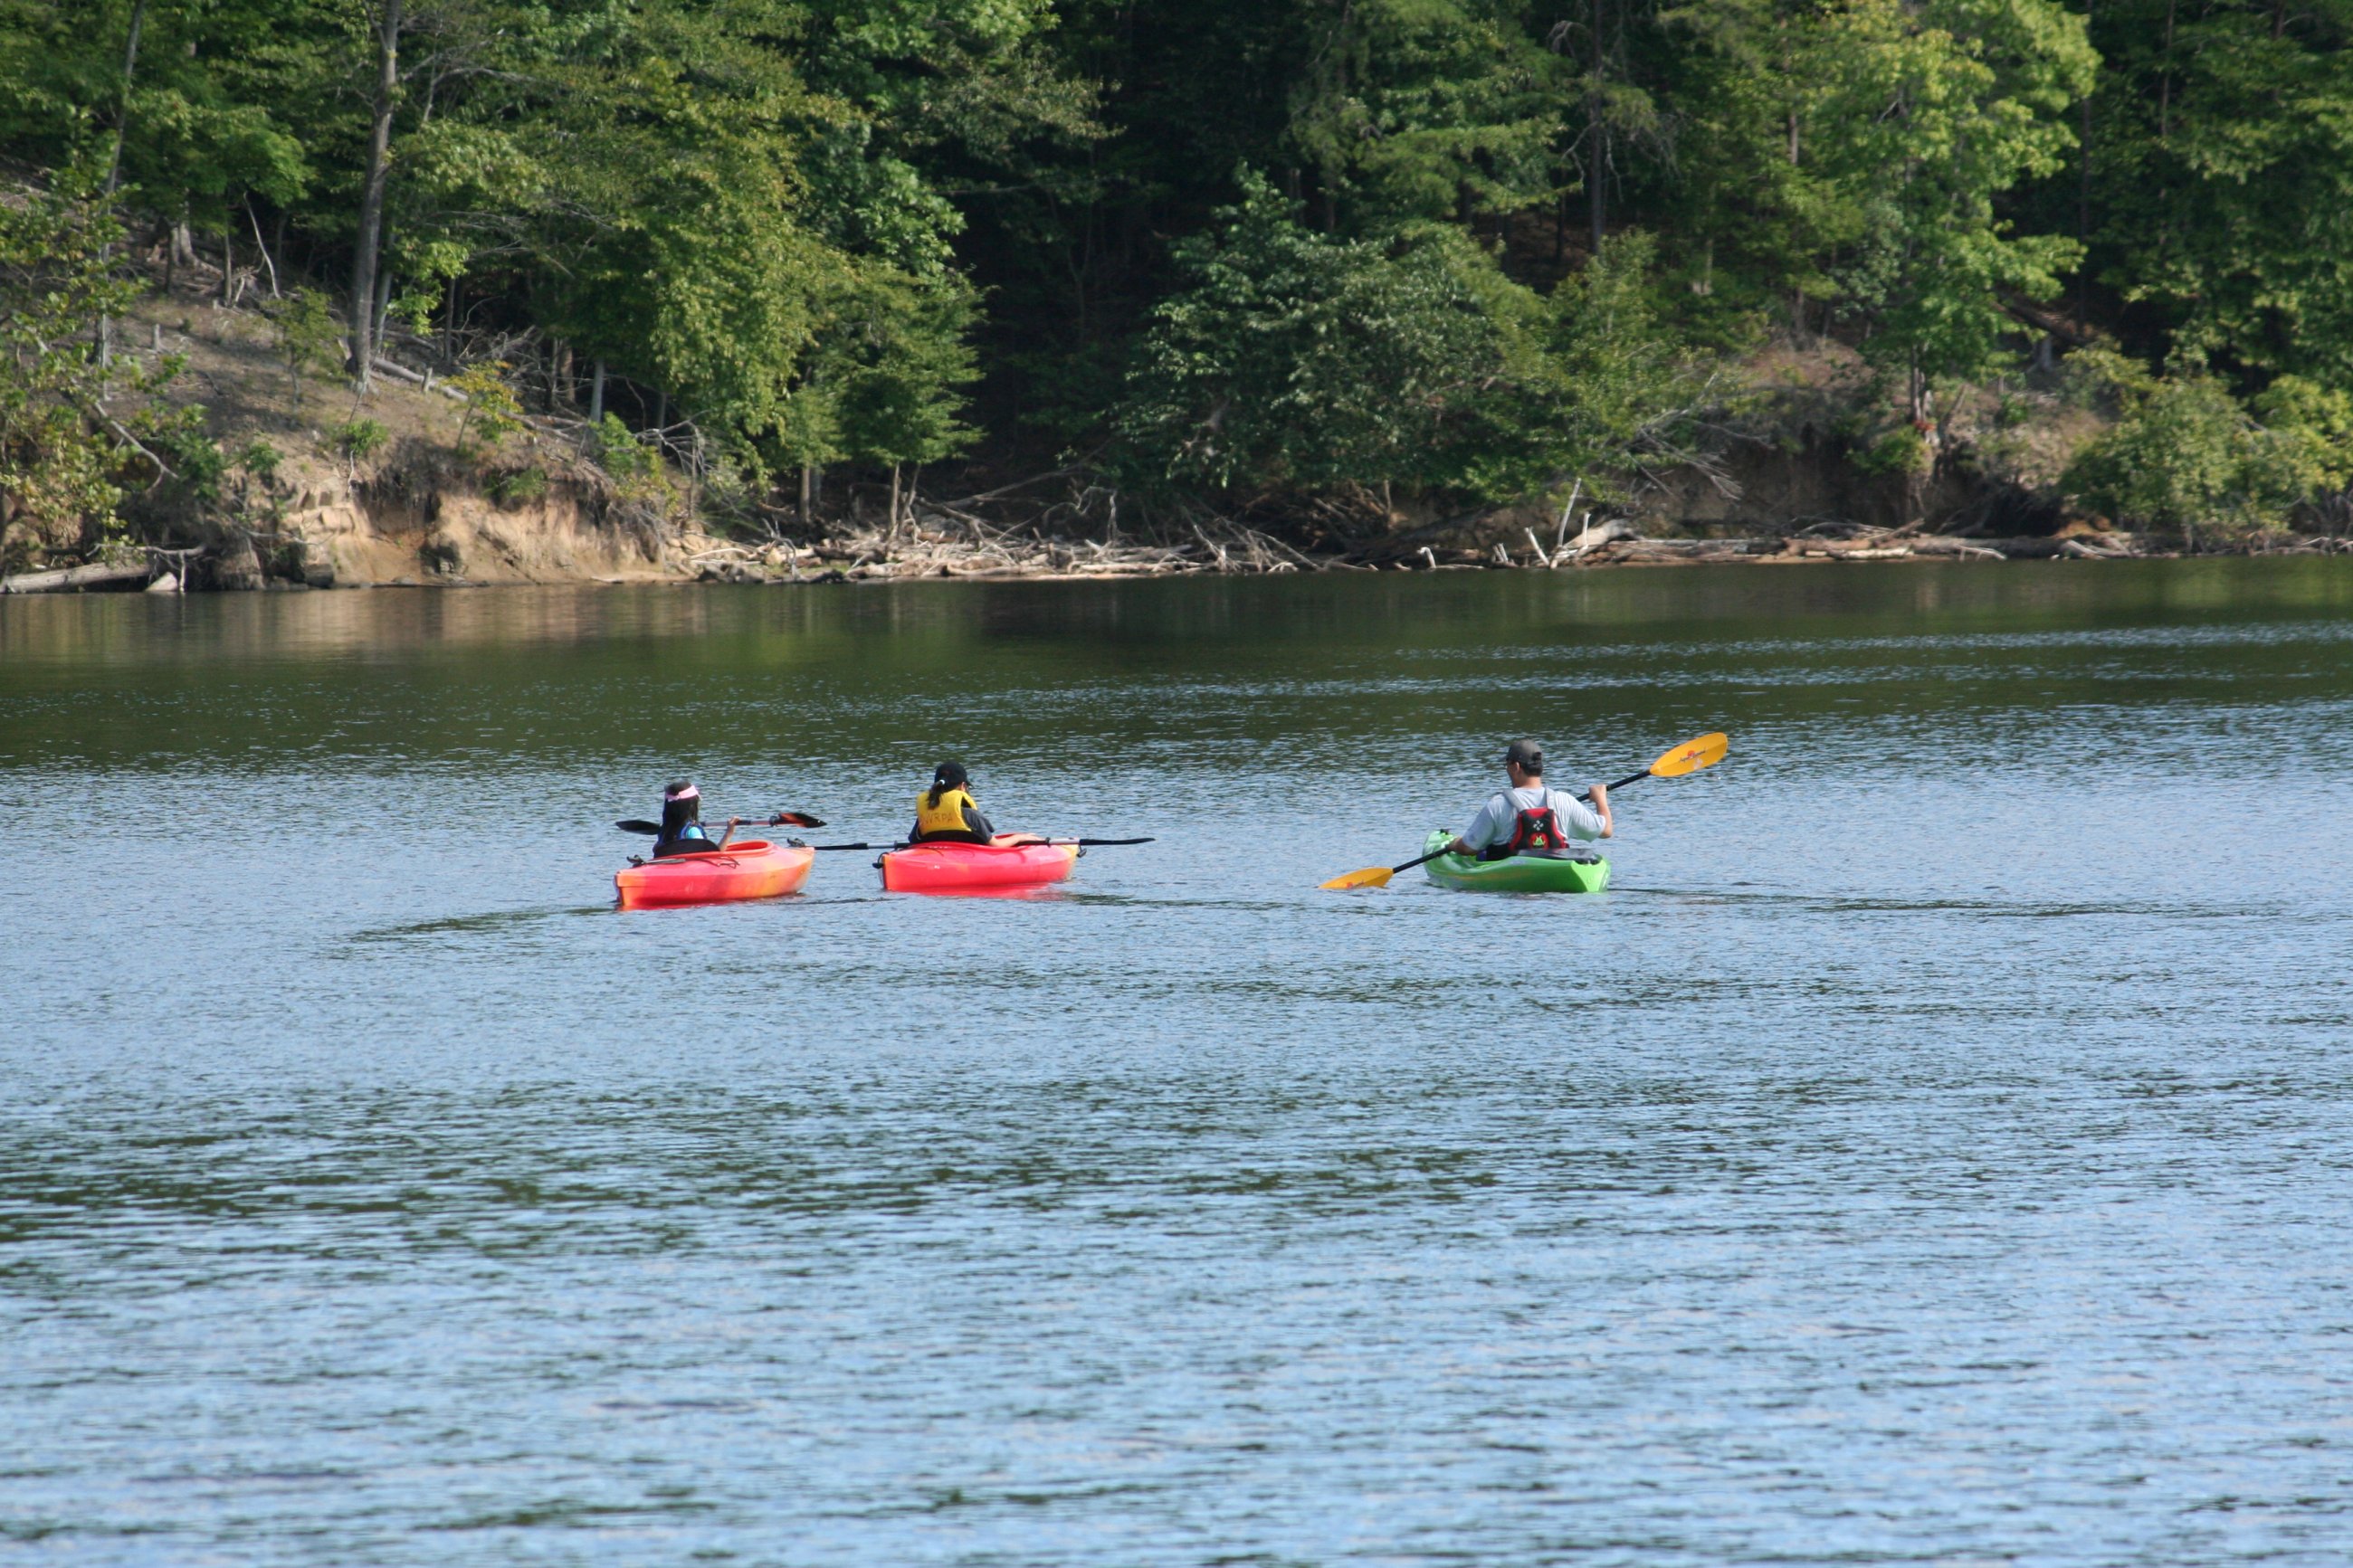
(945, 817)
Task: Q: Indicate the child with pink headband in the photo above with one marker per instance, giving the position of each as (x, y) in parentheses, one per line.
(682, 831)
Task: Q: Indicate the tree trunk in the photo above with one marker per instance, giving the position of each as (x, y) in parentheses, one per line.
(122, 112)
(1599, 172)
(596, 396)
(71, 577)
(115, 162)
(228, 267)
(364, 252)
(382, 308)
(266, 260)
(2165, 81)
(2084, 207)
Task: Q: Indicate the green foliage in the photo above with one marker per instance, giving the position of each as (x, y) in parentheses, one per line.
(196, 464)
(492, 411)
(359, 439)
(1299, 360)
(808, 226)
(1939, 108)
(306, 338)
(639, 483)
(1903, 450)
(1610, 383)
(517, 487)
(1295, 358)
(200, 128)
(2313, 426)
(621, 454)
(2186, 456)
(64, 459)
(1422, 110)
(2222, 178)
(258, 458)
(886, 380)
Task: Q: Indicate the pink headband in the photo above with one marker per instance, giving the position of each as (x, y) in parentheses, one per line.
(689, 793)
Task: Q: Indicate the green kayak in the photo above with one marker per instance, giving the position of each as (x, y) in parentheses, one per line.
(1545, 871)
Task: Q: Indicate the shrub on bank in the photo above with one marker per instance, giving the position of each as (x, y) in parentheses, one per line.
(2186, 456)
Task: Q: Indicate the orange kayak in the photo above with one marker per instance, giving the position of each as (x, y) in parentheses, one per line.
(753, 868)
(1009, 860)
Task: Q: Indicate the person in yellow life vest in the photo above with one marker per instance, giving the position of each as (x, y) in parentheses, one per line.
(946, 813)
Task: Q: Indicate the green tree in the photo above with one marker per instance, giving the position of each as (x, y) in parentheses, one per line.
(2186, 456)
(1415, 110)
(65, 455)
(2222, 186)
(1761, 215)
(1297, 359)
(1933, 110)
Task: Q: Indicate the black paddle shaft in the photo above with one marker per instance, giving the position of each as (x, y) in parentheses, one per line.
(1621, 784)
(781, 820)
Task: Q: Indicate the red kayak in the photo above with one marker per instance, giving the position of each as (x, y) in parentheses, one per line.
(753, 868)
(1009, 860)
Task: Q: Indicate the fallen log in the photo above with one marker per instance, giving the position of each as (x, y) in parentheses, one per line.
(68, 578)
(418, 378)
(1943, 544)
(2082, 549)
(1594, 536)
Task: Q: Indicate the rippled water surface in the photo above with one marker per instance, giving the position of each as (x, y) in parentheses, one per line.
(1935, 1149)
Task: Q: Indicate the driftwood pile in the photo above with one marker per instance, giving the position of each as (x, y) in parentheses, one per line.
(1827, 541)
(938, 541)
(1619, 544)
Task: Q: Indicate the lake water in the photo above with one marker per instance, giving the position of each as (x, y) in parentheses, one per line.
(1936, 1148)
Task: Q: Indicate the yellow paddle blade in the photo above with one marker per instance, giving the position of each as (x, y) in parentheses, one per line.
(1691, 756)
(1370, 877)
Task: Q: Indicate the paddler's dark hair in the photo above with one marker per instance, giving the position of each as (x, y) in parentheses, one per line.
(682, 803)
(948, 775)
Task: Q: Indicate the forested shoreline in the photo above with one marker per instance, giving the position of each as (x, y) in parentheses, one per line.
(1332, 269)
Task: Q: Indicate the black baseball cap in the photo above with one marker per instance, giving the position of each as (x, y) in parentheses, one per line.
(1527, 754)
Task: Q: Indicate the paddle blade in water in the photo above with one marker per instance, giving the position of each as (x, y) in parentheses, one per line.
(1370, 877)
(1691, 756)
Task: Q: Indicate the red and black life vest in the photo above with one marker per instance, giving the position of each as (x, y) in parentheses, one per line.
(1536, 829)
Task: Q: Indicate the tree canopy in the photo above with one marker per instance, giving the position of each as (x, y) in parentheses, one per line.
(1481, 248)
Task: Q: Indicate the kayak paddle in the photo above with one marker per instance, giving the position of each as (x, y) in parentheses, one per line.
(1687, 758)
(1090, 843)
(782, 819)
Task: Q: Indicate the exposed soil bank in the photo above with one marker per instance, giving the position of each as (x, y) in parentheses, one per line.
(432, 503)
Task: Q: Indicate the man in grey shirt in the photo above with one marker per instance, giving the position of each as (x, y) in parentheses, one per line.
(1528, 815)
